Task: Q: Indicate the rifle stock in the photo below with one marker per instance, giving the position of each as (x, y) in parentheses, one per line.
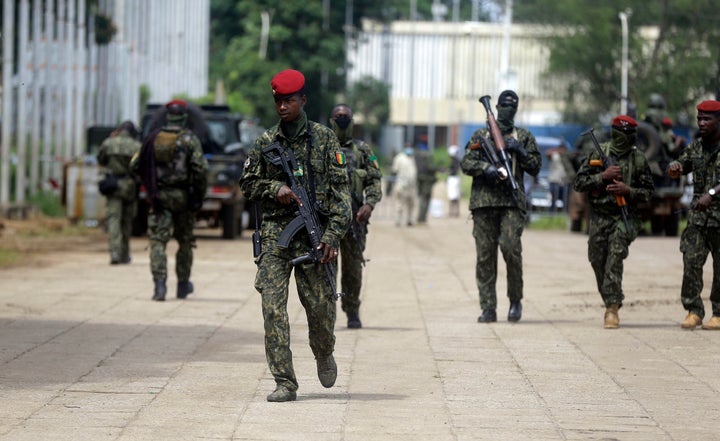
(307, 217)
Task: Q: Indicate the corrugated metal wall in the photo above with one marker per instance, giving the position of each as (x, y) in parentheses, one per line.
(60, 82)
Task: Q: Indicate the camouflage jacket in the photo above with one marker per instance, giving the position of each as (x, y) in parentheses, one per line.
(363, 173)
(494, 193)
(261, 180)
(636, 174)
(184, 170)
(704, 163)
(115, 153)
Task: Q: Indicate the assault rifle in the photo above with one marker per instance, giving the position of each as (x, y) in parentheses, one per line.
(605, 162)
(306, 216)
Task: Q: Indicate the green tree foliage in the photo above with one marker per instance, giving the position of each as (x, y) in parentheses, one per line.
(680, 61)
(369, 99)
(303, 36)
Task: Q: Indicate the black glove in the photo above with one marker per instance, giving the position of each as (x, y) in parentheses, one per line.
(492, 173)
(513, 145)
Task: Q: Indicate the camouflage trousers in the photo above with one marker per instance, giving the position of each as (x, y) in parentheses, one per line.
(351, 263)
(696, 243)
(119, 216)
(492, 228)
(608, 246)
(272, 282)
(424, 196)
(180, 226)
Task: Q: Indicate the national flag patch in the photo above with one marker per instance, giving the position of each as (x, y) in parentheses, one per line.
(373, 159)
(340, 158)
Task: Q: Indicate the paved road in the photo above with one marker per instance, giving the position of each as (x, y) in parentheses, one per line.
(85, 354)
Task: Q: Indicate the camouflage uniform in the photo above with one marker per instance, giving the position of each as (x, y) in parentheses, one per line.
(365, 188)
(426, 178)
(115, 154)
(181, 169)
(702, 235)
(261, 181)
(499, 219)
(608, 240)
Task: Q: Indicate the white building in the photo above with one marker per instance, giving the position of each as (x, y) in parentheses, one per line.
(437, 71)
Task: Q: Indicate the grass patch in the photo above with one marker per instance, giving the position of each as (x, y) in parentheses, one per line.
(546, 222)
(8, 257)
(48, 203)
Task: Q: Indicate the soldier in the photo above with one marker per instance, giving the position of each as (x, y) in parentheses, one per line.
(115, 154)
(426, 178)
(173, 169)
(404, 186)
(702, 235)
(498, 212)
(322, 172)
(365, 192)
(610, 235)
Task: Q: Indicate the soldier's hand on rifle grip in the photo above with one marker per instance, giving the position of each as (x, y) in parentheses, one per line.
(618, 188)
(330, 253)
(513, 145)
(493, 173)
(363, 214)
(286, 196)
(612, 173)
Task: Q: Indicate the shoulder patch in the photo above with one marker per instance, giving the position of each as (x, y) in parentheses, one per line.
(340, 158)
(373, 160)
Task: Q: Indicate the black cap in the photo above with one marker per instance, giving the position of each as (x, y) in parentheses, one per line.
(508, 98)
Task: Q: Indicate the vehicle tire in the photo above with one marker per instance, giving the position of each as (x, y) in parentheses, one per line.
(229, 222)
(672, 224)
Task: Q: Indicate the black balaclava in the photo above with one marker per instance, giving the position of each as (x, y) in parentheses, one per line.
(506, 109)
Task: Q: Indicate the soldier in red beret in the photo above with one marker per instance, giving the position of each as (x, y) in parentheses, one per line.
(625, 180)
(322, 172)
(702, 234)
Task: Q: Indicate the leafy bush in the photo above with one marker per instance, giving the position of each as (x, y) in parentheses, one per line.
(48, 203)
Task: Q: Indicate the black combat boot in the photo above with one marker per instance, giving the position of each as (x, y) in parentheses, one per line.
(515, 312)
(354, 320)
(488, 316)
(160, 290)
(184, 289)
(114, 258)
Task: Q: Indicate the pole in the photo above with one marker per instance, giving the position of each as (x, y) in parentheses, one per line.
(624, 63)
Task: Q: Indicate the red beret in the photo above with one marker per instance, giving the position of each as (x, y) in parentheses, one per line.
(666, 122)
(709, 106)
(624, 122)
(287, 82)
(176, 103)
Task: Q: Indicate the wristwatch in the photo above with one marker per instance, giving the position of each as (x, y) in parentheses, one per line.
(712, 191)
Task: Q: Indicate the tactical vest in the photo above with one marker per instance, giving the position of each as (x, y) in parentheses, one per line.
(356, 173)
(172, 149)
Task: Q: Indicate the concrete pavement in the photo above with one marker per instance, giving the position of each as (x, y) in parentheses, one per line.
(85, 354)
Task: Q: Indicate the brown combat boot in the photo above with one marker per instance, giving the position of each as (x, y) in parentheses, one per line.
(713, 324)
(612, 320)
(691, 321)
